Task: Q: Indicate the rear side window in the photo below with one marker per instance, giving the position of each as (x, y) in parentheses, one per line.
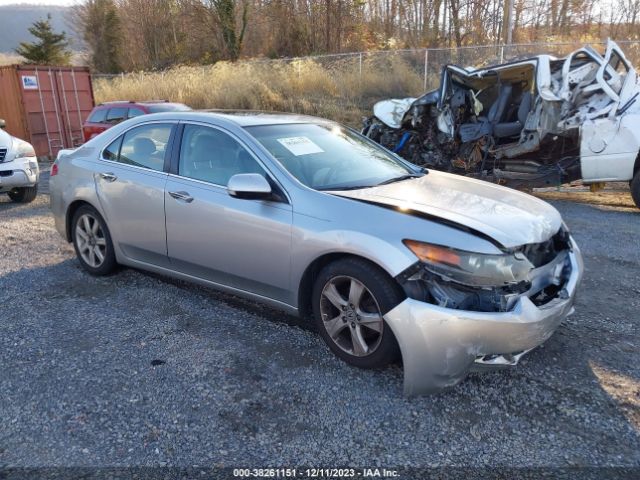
(145, 146)
(98, 116)
(135, 112)
(116, 115)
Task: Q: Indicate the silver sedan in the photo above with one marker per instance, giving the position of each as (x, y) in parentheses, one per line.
(391, 261)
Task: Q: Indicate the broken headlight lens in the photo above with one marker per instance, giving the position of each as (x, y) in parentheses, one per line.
(469, 268)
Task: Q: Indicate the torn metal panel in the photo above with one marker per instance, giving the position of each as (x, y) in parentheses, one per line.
(529, 123)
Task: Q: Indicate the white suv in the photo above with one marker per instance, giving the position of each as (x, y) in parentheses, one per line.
(19, 171)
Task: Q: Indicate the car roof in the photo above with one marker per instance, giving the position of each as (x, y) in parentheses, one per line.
(130, 103)
(243, 118)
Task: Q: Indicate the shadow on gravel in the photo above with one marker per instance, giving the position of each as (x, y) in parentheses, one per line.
(7, 204)
(234, 301)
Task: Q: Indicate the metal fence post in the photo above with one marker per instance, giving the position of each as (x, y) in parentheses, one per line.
(501, 54)
(426, 67)
(360, 65)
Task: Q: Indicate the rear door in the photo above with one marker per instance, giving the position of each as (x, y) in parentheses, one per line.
(239, 243)
(130, 182)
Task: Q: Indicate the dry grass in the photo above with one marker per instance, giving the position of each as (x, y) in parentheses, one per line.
(605, 199)
(302, 86)
(10, 59)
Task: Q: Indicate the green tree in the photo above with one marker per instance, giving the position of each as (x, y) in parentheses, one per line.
(225, 13)
(50, 47)
(99, 25)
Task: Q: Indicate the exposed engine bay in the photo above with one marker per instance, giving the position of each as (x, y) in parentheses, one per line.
(517, 124)
(548, 270)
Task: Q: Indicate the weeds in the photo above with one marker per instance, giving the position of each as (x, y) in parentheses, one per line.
(303, 86)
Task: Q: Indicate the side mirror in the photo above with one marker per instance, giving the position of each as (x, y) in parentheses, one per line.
(251, 186)
(3, 124)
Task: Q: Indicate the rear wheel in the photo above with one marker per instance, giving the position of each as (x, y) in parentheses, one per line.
(350, 297)
(24, 194)
(635, 189)
(92, 242)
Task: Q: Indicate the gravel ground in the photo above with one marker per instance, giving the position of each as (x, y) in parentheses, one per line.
(136, 369)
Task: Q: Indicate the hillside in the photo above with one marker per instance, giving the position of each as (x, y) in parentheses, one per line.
(16, 19)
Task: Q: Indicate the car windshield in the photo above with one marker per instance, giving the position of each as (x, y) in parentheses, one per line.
(329, 156)
(168, 107)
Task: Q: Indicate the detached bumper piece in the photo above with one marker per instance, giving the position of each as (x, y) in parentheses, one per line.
(441, 345)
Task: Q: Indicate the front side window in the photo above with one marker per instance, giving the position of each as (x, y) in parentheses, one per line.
(145, 146)
(135, 112)
(168, 107)
(116, 115)
(213, 156)
(98, 116)
(617, 72)
(328, 156)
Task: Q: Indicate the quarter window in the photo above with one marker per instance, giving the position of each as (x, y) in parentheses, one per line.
(213, 156)
(145, 146)
(111, 152)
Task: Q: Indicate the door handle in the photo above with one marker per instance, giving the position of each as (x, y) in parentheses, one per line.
(109, 177)
(182, 196)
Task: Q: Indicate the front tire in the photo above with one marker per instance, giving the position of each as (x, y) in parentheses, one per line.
(635, 189)
(92, 242)
(24, 194)
(350, 297)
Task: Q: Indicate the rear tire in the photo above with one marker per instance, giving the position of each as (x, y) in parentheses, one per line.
(635, 189)
(24, 194)
(350, 297)
(92, 242)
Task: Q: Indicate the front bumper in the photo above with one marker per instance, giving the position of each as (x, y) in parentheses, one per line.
(440, 345)
(23, 172)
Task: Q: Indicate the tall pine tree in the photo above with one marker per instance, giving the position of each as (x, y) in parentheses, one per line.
(50, 48)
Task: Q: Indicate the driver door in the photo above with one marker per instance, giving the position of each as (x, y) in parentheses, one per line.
(238, 243)
(608, 143)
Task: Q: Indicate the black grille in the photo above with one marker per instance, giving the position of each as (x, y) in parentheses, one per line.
(3, 154)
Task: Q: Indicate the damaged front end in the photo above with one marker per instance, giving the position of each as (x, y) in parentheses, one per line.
(466, 310)
(487, 283)
(516, 124)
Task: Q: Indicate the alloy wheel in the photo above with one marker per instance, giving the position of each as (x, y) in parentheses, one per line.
(351, 316)
(90, 240)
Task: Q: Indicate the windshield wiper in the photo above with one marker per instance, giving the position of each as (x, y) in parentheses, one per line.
(400, 178)
(354, 187)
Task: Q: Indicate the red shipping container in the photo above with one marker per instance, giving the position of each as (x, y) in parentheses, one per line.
(46, 106)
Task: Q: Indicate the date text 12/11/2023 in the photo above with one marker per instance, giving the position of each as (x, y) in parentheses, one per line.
(314, 473)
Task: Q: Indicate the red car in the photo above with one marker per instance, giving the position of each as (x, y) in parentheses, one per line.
(108, 114)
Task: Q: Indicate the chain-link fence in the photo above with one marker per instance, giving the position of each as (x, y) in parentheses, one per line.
(427, 63)
(340, 86)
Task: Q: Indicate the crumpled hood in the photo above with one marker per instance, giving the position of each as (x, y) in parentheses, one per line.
(510, 217)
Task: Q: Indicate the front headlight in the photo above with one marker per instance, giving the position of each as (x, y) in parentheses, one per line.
(470, 268)
(22, 149)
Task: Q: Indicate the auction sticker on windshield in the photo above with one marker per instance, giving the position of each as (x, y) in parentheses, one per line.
(300, 145)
